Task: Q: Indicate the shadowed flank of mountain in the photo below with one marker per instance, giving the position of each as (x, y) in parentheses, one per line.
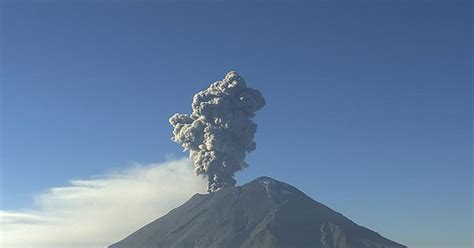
(264, 213)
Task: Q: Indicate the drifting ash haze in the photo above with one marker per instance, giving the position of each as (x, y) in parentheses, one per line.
(219, 132)
(94, 212)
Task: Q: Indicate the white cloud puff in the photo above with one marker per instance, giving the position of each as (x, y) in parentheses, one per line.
(100, 211)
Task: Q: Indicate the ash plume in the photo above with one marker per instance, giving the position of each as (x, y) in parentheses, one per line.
(219, 132)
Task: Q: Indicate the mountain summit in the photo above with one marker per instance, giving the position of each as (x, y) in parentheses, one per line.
(264, 213)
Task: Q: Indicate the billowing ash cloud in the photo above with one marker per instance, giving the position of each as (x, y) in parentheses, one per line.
(219, 132)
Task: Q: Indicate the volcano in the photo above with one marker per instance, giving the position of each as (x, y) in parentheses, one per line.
(264, 213)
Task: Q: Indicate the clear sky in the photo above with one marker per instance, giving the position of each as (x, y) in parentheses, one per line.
(369, 103)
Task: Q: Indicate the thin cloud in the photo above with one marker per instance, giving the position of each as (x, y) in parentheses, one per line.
(100, 211)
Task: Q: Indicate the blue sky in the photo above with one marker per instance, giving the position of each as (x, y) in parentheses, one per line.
(369, 103)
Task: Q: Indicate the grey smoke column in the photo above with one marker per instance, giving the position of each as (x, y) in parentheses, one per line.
(219, 132)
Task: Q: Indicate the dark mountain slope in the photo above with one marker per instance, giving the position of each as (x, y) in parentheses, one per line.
(263, 213)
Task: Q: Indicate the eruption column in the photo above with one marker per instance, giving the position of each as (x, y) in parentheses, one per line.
(219, 132)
